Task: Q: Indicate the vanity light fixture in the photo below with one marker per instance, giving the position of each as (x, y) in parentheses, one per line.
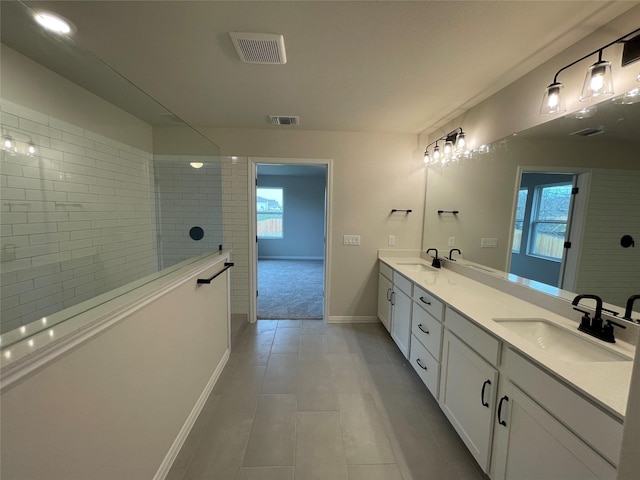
(455, 143)
(8, 145)
(598, 80)
(54, 22)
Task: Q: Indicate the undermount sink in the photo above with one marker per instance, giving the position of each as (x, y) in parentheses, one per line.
(417, 267)
(560, 342)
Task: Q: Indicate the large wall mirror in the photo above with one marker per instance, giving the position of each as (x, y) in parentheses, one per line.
(100, 184)
(517, 203)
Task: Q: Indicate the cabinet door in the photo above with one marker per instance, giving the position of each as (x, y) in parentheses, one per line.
(385, 287)
(468, 386)
(401, 320)
(530, 444)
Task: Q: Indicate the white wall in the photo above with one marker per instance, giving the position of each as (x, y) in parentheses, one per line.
(372, 174)
(113, 406)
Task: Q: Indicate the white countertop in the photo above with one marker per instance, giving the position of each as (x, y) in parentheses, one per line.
(605, 383)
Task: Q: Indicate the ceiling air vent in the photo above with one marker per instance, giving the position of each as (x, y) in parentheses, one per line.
(264, 48)
(588, 132)
(283, 120)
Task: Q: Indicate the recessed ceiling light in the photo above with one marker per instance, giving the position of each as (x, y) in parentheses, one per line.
(54, 23)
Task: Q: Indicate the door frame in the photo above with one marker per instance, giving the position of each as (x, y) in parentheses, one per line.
(571, 259)
(253, 250)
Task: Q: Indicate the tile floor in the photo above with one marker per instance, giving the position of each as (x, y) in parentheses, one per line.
(307, 401)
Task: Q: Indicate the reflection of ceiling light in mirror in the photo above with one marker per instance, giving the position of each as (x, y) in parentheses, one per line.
(196, 164)
(583, 113)
(31, 150)
(54, 23)
(632, 96)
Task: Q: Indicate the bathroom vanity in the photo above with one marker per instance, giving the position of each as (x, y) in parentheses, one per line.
(530, 396)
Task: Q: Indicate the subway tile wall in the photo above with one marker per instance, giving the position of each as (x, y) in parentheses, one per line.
(235, 211)
(187, 197)
(78, 217)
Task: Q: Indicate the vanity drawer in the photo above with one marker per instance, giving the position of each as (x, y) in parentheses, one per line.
(426, 329)
(592, 424)
(427, 301)
(385, 270)
(425, 365)
(402, 283)
(482, 342)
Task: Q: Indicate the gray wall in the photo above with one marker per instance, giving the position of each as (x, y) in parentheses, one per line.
(303, 200)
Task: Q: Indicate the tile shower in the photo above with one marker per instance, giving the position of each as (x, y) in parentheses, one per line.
(84, 214)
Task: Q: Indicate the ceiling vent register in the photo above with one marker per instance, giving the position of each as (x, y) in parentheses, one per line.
(283, 120)
(262, 48)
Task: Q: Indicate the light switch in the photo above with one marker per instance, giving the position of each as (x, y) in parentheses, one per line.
(351, 239)
(392, 240)
(452, 241)
(488, 243)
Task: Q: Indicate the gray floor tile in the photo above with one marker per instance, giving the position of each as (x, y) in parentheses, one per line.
(220, 452)
(349, 372)
(312, 346)
(313, 326)
(289, 323)
(265, 473)
(316, 390)
(261, 326)
(374, 472)
(365, 440)
(281, 375)
(286, 340)
(239, 389)
(319, 448)
(272, 439)
(196, 434)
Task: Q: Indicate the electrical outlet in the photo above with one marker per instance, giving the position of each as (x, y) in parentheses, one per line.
(488, 243)
(452, 241)
(392, 240)
(351, 239)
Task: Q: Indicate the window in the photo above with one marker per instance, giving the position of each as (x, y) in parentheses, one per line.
(270, 210)
(519, 223)
(549, 222)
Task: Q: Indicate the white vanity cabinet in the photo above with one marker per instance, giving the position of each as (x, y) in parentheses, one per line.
(577, 439)
(385, 289)
(401, 312)
(468, 384)
(530, 444)
(426, 337)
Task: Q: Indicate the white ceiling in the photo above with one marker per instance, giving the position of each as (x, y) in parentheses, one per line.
(352, 65)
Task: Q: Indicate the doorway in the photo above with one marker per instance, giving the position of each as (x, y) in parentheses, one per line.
(548, 216)
(290, 206)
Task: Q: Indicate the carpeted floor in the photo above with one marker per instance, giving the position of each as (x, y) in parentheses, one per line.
(290, 289)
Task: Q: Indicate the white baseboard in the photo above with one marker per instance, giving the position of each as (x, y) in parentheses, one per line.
(165, 466)
(353, 319)
(284, 257)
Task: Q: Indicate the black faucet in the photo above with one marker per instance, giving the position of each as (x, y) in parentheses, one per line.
(451, 253)
(594, 326)
(436, 260)
(629, 309)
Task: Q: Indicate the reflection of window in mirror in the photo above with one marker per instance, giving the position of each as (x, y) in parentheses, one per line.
(519, 221)
(542, 219)
(549, 224)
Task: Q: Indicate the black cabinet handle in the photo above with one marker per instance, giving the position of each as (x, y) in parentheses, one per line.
(484, 385)
(388, 294)
(206, 281)
(420, 327)
(393, 298)
(424, 301)
(500, 421)
(420, 363)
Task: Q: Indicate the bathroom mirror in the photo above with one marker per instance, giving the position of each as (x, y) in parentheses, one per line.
(101, 184)
(598, 148)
